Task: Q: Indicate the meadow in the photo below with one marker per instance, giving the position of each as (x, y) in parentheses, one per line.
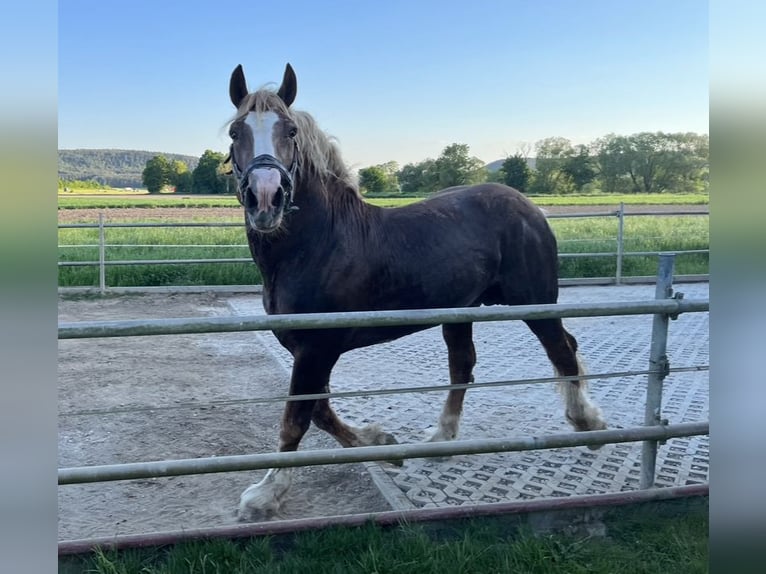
(123, 244)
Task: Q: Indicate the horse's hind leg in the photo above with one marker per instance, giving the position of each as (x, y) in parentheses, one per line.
(561, 348)
(462, 358)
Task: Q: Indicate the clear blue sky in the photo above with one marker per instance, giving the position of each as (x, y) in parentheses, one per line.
(391, 79)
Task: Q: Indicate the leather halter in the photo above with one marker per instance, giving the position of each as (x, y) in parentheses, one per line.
(267, 161)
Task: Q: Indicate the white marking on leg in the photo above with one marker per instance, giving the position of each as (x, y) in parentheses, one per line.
(448, 427)
(264, 499)
(579, 406)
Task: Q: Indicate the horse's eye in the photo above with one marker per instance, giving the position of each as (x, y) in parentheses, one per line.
(233, 135)
(293, 132)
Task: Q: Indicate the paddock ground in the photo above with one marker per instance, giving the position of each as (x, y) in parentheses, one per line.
(150, 381)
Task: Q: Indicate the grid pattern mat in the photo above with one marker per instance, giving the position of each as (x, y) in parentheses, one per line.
(508, 350)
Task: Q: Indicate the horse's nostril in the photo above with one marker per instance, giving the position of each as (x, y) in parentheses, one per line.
(279, 197)
(251, 202)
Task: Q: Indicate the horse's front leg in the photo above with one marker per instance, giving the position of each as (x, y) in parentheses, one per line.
(264, 499)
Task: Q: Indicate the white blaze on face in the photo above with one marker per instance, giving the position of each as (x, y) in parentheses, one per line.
(263, 181)
(262, 128)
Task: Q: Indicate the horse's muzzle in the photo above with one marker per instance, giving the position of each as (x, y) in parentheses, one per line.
(264, 220)
(265, 200)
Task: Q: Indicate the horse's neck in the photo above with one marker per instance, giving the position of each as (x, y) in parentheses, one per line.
(318, 224)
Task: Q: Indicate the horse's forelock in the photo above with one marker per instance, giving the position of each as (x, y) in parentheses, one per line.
(262, 101)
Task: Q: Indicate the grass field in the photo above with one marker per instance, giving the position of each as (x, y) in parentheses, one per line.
(587, 235)
(638, 541)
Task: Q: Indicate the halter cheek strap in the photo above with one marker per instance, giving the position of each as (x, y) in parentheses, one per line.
(267, 161)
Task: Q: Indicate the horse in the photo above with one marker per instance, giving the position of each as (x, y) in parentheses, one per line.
(321, 248)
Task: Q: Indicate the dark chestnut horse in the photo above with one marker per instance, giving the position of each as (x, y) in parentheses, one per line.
(321, 248)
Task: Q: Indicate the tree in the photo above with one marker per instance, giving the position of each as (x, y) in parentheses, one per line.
(155, 174)
(456, 167)
(207, 175)
(184, 183)
(652, 162)
(516, 172)
(419, 178)
(548, 176)
(179, 176)
(579, 167)
(379, 179)
(612, 154)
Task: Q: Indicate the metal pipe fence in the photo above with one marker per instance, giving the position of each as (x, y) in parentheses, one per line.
(619, 254)
(664, 307)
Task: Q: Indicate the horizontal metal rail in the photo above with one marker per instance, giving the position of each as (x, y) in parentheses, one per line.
(123, 225)
(155, 261)
(630, 253)
(160, 245)
(250, 260)
(614, 213)
(372, 392)
(405, 317)
(87, 474)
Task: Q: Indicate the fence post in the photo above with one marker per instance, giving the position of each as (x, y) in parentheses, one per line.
(101, 254)
(620, 231)
(659, 365)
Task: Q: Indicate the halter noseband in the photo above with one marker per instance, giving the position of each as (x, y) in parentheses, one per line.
(267, 161)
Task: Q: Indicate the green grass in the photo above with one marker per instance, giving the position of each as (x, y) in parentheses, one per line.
(117, 201)
(636, 542)
(641, 233)
(587, 235)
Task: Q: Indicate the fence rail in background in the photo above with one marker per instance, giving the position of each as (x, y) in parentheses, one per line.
(619, 254)
(664, 307)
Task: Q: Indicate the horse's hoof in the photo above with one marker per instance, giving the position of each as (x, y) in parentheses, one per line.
(248, 514)
(254, 510)
(386, 438)
(262, 501)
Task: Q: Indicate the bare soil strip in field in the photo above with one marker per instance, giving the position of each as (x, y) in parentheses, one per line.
(234, 214)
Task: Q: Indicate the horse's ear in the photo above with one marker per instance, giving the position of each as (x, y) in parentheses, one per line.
(289, 87)
(237, 86)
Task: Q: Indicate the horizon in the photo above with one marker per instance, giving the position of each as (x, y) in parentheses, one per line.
(385, 86)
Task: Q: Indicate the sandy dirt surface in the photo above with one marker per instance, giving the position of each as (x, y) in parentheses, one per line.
(154, 379)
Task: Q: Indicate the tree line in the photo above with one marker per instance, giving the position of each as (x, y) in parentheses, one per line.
(646, 162)
(208, 177)
(109, 167)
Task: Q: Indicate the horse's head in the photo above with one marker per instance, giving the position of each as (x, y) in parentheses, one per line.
(264, 150)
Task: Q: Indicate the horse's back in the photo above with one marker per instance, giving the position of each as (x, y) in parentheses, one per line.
(498, 199)
(488, 230)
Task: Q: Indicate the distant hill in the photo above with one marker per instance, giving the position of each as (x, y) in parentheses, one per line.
(111, 167)
(498, 163)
